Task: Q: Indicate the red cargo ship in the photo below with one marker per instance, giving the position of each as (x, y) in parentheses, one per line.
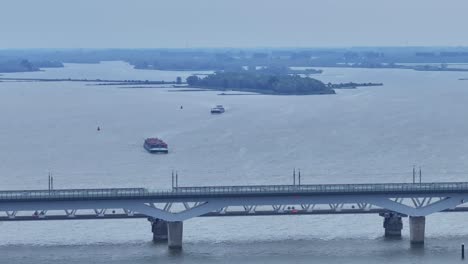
(155, 145)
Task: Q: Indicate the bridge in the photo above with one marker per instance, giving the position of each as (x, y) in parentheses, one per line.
(167, 209)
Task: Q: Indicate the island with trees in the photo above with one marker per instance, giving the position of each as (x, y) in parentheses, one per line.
(17, 66)
(22, 65)
(259, 82)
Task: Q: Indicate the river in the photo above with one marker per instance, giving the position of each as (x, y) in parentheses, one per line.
(372, 134)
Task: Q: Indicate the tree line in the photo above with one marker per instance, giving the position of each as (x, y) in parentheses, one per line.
(261, 83)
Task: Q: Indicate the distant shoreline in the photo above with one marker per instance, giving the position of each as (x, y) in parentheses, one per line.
(352, 85)
(127, 84)
(98, 81)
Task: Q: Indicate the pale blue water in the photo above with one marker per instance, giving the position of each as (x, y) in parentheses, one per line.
(373, 134)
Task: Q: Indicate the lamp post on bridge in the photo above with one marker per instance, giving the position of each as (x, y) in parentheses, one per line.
(294, 176)
(414, 174)
(298, 178)
(51, 182)
(420, 175)
(175, 179)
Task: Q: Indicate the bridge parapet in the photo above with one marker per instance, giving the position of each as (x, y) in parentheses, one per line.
(398, 189)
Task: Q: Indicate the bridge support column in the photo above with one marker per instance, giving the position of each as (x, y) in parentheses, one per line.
(417, 228)
(392, 224)
(175, 230)
(159, 229)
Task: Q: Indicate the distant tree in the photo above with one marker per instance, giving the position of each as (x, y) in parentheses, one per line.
(179, 80)
(193, 80)
(142, 65)
(272, 81)
(27, 65)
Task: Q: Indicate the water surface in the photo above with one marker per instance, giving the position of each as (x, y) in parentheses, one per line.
(373, 134)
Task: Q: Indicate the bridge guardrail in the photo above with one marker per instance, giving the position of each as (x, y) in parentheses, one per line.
(121, 193)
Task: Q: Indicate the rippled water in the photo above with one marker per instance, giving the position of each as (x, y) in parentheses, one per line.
(373, 134)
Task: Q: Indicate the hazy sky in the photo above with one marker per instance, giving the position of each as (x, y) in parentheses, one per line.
(231, 23)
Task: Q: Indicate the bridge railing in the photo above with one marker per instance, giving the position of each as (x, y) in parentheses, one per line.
(122, 193)
(73, 193)
(329, 188)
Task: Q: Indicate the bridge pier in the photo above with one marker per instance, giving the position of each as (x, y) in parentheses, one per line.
(159, 229)
(175, 230)
(392, 224)
(417, 228)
